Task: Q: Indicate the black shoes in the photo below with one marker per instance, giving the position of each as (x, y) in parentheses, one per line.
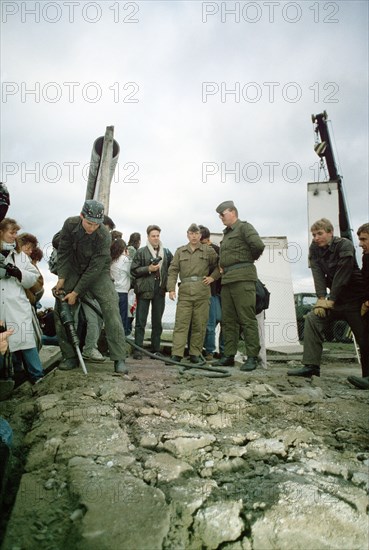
(225, 361)
(68, 364)
(250, 364)
(195, 359)
(361, 383)
(120, 367)
(307, 371)
(137, 354)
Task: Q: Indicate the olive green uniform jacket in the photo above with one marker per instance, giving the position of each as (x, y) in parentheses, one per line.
(241, 244)
(84, 262)
(193, 297)
(240, 247)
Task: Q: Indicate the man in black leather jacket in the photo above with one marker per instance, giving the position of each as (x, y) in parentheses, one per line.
(149, 271)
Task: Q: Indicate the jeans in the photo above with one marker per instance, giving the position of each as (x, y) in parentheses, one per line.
(31, 362)
(123, 309)
(215, 317)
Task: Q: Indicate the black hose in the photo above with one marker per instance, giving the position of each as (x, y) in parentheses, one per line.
(210, 372)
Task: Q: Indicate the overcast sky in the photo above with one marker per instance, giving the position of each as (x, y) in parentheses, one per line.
(210, 101)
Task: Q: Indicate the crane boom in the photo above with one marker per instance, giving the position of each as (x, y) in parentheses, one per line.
(325, 150)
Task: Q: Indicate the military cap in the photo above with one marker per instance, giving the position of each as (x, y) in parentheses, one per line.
(93, 211)
(194, 228)
(224, 205)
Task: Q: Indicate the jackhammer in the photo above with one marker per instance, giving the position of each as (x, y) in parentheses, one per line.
(67, 321)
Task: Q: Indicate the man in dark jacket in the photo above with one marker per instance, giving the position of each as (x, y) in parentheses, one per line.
(240, 247)
(83, 265)
(363, 234)
(149, 270)
(334, 267)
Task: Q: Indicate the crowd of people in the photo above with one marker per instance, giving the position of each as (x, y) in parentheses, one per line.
(98, 273)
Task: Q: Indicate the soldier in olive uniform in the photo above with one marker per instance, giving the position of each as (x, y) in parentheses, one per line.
(196, 266)
(84, 266)
(240, 247)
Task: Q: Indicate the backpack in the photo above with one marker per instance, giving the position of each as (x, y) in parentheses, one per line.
(53, 260)
(4, 201)
(262, 297)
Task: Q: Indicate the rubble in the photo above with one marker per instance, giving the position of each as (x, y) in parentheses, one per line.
(159, 460)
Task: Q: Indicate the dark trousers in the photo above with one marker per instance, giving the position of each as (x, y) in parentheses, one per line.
(142, 311)
(314, 334)
(123, 309)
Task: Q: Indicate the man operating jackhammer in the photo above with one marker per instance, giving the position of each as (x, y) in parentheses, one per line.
(83, 265)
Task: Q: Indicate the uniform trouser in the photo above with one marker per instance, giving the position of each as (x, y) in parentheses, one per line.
(314, 335)
(142, 311)
(104, 292)
(238, 311)
(94, 324)
(215, 317)
(191, 312)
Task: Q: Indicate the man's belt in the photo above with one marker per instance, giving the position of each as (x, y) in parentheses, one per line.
(192, 279)
(236, 266)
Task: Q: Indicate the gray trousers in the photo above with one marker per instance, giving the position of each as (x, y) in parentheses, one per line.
(314, 334)
(94, 324)
(105, 294)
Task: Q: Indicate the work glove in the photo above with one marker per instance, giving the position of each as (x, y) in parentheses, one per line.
(322, 307)
(364, 308)
(14, 271)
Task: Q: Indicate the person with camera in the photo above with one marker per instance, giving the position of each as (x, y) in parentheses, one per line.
(149, 271)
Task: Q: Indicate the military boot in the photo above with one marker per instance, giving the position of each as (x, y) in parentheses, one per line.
(307, 371)
(250, 364)
(225, 361)
(68, 364)
(120, 367)
(358, 382)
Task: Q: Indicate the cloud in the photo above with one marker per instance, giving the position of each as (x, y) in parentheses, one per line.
(186, 90)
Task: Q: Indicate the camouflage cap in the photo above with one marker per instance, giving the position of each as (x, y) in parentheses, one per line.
(224, 205)
(93, 211)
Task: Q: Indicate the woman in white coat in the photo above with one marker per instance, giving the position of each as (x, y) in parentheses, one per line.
(120, 271)
(17, 274)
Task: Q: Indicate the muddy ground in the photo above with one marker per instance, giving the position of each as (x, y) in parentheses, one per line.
(160, 460)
